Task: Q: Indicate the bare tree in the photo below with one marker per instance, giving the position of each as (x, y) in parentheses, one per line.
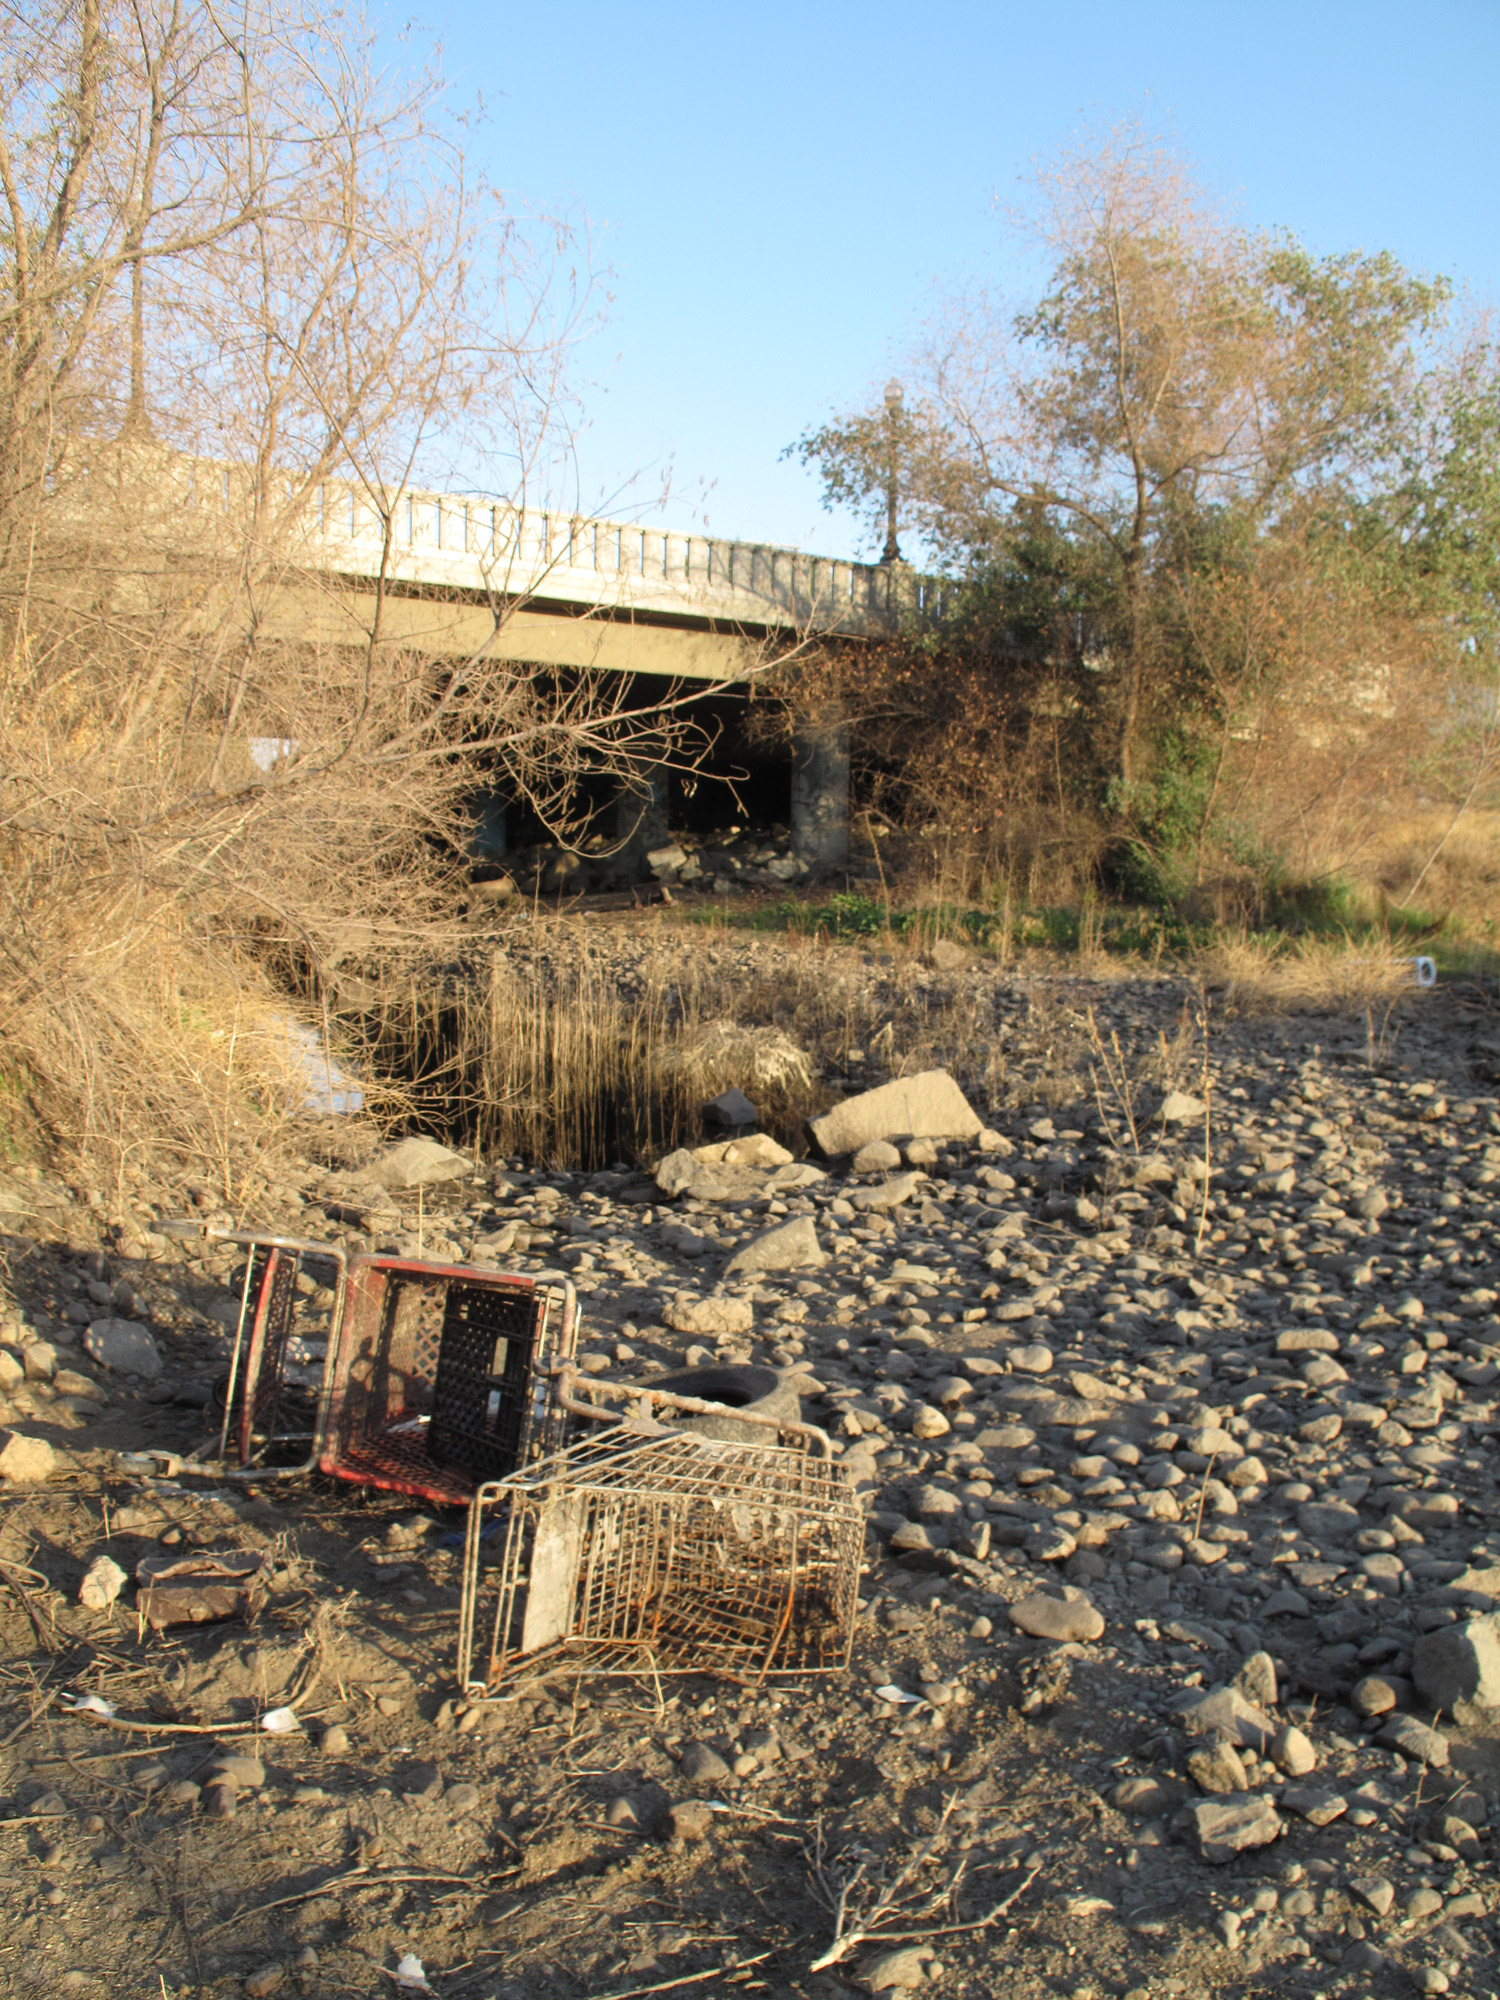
(242, 270)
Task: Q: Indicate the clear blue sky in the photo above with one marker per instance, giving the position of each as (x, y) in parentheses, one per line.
(779, 188)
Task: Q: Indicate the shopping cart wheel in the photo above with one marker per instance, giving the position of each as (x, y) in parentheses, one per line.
(759, 1390)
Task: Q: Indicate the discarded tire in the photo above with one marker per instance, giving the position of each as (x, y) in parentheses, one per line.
(758, 1391)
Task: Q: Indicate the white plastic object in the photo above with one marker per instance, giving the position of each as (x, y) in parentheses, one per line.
(279, 1722)
(89, 1704)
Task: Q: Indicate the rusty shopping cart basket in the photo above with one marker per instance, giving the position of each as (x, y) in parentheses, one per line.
(271, 1405)
(643, 1549)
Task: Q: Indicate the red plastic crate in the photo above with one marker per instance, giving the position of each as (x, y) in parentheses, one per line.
(440, 1376)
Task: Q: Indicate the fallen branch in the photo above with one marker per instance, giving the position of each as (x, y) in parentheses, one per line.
(888, 1898)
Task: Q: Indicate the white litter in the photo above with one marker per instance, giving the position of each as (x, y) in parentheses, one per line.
(1425, 970)
(411, 1974)
(89, 1704)
(279, 1722)
(890, 1692)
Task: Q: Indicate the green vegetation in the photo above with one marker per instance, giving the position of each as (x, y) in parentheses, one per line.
(1221, 519)
(1301, 913)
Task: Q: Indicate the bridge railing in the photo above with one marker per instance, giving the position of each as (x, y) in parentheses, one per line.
(470, 543)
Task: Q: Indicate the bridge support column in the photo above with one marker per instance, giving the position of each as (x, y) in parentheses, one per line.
(641, 808)
(820, 789)
(488, 842)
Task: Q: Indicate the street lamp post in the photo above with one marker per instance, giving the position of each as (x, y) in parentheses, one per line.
(891, 553)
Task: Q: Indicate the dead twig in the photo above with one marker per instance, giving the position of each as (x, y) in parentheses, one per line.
(898, 1896)
(355, 1878)
(688, 1978)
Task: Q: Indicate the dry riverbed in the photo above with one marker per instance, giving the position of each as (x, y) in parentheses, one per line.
(1223, 1387)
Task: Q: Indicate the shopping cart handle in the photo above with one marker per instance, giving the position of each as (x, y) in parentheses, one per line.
(182, 1227)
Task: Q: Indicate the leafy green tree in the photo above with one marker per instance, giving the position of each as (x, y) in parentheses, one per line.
(1185, 393)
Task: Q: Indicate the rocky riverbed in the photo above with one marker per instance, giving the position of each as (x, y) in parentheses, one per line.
(1171, 1389)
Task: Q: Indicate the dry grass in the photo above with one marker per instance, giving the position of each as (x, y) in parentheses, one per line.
(1252, 975)
(560, 1047)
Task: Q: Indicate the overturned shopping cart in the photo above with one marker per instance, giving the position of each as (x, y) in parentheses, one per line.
(644, 1549)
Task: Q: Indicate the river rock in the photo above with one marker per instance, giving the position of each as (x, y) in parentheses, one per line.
(1225, 1712)
(791, 1247)
(1414, 1740)
(686, 1314)
(25, 1461)
(1178, 1108)
(1459, 1663)
(1228, 1826)
(879, 1157)
(929, 1105)
(1062, 1620)
(124, 1347)
(896, 1971)
(885, 1194)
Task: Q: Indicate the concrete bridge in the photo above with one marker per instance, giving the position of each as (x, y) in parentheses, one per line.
(463, 575)
(466, 575)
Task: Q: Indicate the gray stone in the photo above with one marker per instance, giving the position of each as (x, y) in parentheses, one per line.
(103, 1581)
(124, 1347)
(1218, 1769)
(1177, 1108)
(1415, 1740)
(1293, 1753)
(879, 1157)
(1062, 1620)
(1143, 1798)
(1378, 1694)
(689, 1819)
(1256, 1680)
(1459, 1663)
(790, 1247)
(1225, 1712)
(1312, 1803)
(885, 1194)
(1374, 1891)
(1228, 1826)
(929, 1105)
(896, 1971)
(416, 1163)
(731, 1108)
(246, 1774)
(702, 1765)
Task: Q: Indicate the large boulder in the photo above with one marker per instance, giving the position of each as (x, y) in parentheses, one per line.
(926, 1106)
